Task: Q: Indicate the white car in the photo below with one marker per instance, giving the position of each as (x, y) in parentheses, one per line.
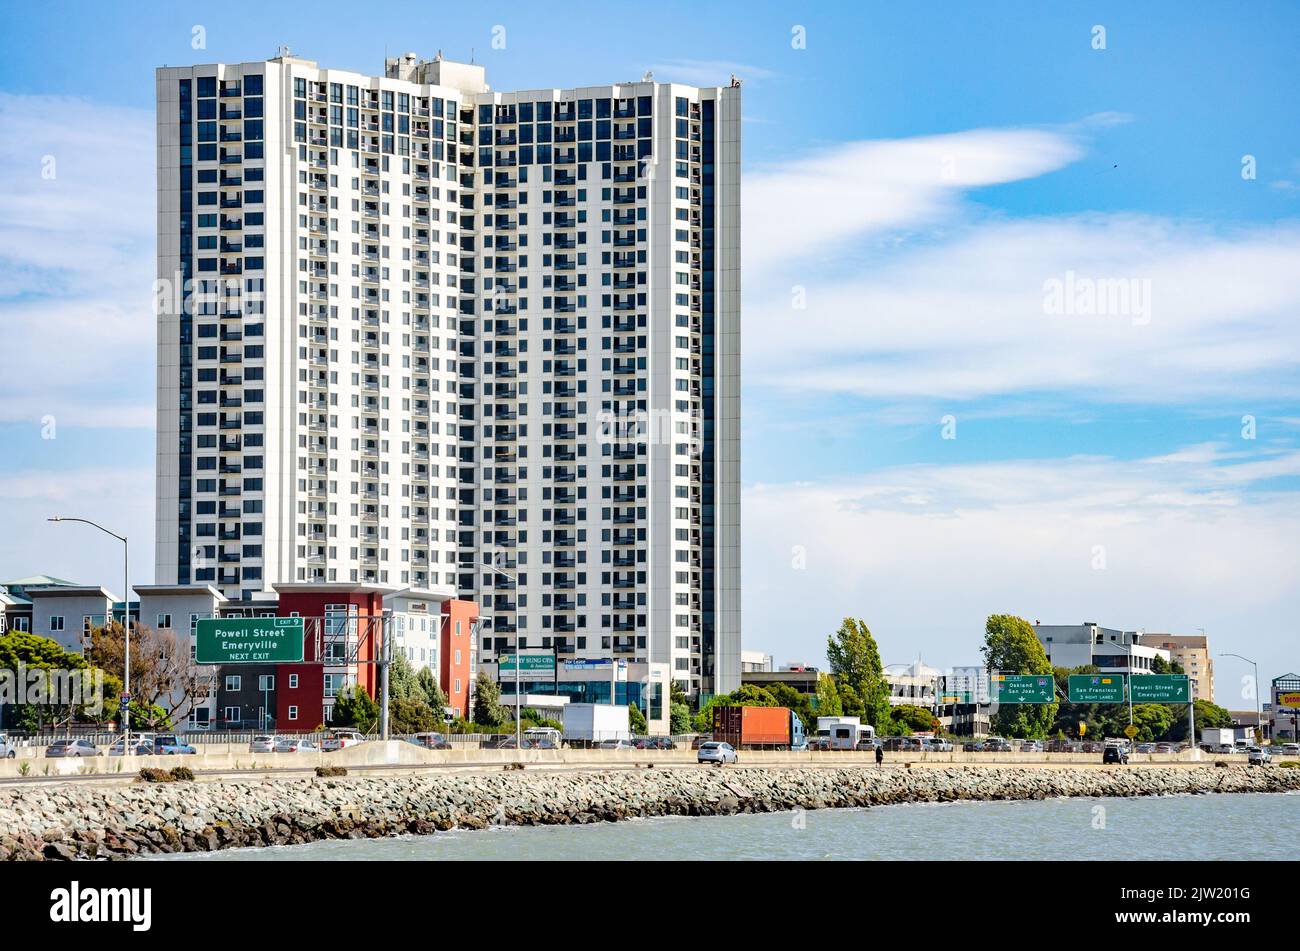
(341, 740)
(262, 744)
(1291, 749)
(294, 745)
(717, 753)
(1258, 756)
(939, 746)
(7, 748)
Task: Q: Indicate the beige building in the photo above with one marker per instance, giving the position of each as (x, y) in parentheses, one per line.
(1192, 653)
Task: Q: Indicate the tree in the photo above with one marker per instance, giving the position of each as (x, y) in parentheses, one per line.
(411, 715)
(401, 676)
(354, 707)
(1012, 647)
(487, 702)
(427, 686)
(164, 677)
(1161, 666)
(679, 718)
(828, 697)
(636, 720)
(855, 661)
(909, 718)
(55, 697)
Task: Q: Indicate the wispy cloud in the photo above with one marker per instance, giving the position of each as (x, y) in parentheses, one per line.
(76, 261)
(1192, 539)
(704, 72)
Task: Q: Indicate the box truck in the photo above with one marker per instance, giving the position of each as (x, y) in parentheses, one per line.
(759, 728)
(1218, 737)
(592, 723)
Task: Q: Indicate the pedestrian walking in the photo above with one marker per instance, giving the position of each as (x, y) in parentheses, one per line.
(880, 755)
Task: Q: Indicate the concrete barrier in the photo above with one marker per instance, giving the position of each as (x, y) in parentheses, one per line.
(394, 753)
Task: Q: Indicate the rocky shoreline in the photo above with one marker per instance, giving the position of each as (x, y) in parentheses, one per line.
(72, 821)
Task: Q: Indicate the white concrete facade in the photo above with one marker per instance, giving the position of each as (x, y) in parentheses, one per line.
(436, 325)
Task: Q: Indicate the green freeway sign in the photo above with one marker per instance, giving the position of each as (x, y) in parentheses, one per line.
(249, 640)
(1021, 688)
(1096, 688)
(1161, 688)
(530, 663)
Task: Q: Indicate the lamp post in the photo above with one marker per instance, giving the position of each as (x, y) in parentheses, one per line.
(518, 728)
(126, 621)
(1259, 714)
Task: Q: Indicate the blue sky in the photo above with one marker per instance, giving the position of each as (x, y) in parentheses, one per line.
(916, 177)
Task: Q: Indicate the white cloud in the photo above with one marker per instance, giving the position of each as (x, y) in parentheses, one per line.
(803, 207)
(925, 552)
(970, 317)
(76, 262)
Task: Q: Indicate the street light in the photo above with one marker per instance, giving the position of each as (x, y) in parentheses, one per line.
(518, 729)
(1259, 714)
(126, 621)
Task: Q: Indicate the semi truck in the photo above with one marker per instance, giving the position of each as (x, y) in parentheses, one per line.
(592, 723)
(759, 728)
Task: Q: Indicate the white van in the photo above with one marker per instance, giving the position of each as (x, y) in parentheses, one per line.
(7, 748)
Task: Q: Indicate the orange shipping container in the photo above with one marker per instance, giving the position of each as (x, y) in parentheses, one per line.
(752, 726)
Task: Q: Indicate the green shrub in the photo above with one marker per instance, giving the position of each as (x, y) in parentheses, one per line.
(151, 775)
(182, 773)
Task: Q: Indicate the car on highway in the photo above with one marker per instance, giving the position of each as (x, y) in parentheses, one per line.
(168, 744)
(510, 743)
(654, 743)
(996, 744)
(617, 745)
(139, 747)
(1291, 749)
(940, 745)
(431, 741)
(1031, 746)
(866, 744)
(1146, 748)
(7, 748)
(262, 744)
(1258, 756)
(294, 744)
(341, 739)
(973, 746)
(703, 738)
(1167, 747)
(817, 744)
(717, 753)
(1115, 753)
(67, 748)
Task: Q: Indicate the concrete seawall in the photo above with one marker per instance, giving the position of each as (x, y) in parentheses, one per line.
(79, 821)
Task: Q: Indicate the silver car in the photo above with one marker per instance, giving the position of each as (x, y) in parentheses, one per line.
(717, 753)
(7, 748)
(262, 744)
(63, 748)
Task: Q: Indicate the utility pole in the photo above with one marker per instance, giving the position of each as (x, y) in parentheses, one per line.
(385, 653)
